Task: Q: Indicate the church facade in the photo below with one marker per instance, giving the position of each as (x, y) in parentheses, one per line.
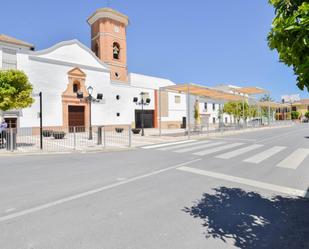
(69, 67)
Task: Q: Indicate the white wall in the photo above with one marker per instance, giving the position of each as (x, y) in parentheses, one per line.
(47, 71)
(51, 79)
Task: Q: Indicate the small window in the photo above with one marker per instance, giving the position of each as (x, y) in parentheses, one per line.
(118, 114)
(117, 75)
(213, 106)
(177, 99)
(11, 122)
(205, 106)
(294, 109)
(226, 120)
(116, 51)
(213, 120)
(75, 87)
(118, 97)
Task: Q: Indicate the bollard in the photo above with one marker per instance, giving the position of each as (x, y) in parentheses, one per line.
(12, 137)
(74, 132)
(100, 135)
(130, 136)
(104, 136)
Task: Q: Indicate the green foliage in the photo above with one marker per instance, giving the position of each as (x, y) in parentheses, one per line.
(264, 110)
(196, 114)
(307, 114)
(240, 110)
(265, 98)
(15, 90)
(295, 115)
(290, 37)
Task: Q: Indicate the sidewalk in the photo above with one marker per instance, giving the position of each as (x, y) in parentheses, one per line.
(151, 138)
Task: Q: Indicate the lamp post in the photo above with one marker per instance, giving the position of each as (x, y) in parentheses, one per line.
(90, 99)
(90, 91)
(40, 115)
(142, 103)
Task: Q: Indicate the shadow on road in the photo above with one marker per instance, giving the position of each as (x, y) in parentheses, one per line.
(254, 221)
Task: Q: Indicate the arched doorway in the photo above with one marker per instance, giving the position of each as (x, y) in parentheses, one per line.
(75, 112)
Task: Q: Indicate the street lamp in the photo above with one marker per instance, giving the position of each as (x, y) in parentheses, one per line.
(90, 90)
(142, 103)
(40, 95)
(89, 99)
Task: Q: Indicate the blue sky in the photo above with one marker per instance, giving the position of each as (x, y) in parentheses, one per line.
(201, 41)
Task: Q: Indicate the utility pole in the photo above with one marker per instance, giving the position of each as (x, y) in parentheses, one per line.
(41, 120)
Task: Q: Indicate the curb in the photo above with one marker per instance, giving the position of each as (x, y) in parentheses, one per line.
(76, 152)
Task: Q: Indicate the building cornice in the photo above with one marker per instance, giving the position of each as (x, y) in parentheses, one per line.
(65, 63)
(109, 14)
(107, 34)
(66, 43)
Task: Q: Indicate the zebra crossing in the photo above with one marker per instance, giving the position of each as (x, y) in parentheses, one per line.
(226, 150)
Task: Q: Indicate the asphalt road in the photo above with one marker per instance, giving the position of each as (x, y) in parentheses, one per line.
(245, 191)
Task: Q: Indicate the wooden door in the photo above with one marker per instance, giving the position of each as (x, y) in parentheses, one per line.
(76, 116)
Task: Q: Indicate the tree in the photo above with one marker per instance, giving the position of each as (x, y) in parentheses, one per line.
(197, 113)
(307, 115)
(289, 36)
(295, 115)
(266, 98)
(264, 110)
(240, 110)
(15, 90)
(233, 109)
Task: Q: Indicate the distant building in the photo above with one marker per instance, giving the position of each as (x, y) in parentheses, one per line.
(301, 106)
(290, 98)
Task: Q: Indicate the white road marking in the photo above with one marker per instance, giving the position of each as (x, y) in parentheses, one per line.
(239, 152)
(252, 183)
(89, 193)
(121, 178)
(217, 149)
(168, 144)
(184, 145)
(265, 154)
(10, 210)
(295, 159)
(280, 135)
(235, 138)
(204, 146)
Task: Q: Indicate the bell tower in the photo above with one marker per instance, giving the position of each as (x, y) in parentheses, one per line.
(109, 41)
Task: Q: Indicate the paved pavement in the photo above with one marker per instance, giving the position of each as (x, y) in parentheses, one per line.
(242, 191)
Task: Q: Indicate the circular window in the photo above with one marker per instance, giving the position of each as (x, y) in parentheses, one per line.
(117, 75)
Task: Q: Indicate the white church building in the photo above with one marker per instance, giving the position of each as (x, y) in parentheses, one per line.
(70, 67)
